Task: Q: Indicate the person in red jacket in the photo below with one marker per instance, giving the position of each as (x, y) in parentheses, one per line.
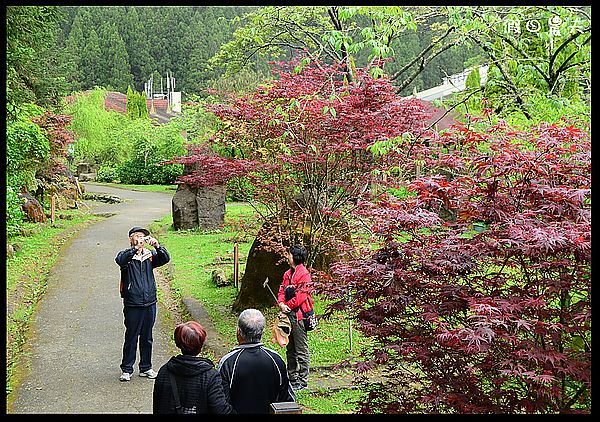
(294, 299)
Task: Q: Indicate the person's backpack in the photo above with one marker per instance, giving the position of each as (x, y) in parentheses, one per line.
(310, 318)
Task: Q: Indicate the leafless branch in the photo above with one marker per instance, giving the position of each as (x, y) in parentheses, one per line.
(464, 100)
(421, 54)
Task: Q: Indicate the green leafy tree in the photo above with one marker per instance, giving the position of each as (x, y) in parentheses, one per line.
(532, 51)
(75, 48)
(353, 36)
(142, 105)
(91, 61)
(157, 145)
(138, 49)
(27, 149)
(131, 104)
(98, 140)
(30, 33)
(211, 27)
(114, 67)
(472, 86)
(136, 104)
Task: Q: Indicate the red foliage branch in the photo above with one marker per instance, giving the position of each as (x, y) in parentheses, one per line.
(55, 127)
(307, 134)
(479, 295)
(208, 168)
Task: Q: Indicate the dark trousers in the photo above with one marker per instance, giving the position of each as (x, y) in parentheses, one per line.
(297, 354)
(139, 322)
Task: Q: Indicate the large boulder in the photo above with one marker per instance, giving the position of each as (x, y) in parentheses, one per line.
(198, 207)
(87, 177)
(185, 208)
(34, 212)
(211, 207)
(66, 190)
(84, 168)
(219, 278)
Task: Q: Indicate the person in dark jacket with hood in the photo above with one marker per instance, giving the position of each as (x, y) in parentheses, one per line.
(254, 376)
(138, 290)
(197, 383)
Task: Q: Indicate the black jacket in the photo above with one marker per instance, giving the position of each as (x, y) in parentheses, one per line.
(137, 277)
(198, 383)
(254, 376)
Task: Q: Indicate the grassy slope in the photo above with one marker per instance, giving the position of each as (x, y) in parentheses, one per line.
(195, 254)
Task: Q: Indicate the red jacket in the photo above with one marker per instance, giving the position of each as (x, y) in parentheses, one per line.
(302, 283)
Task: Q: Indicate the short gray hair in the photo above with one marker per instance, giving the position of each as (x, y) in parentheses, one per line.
(251, 324)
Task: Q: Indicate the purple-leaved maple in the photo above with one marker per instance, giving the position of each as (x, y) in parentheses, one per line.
(55, 128)
(304, 140)
(478, 293)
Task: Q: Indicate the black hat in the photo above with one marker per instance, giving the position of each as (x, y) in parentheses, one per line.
(139, 229)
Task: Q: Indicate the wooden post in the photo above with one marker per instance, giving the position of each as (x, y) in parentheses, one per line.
(52, 209)
(349, 324)
(235, 265)
(78, 187)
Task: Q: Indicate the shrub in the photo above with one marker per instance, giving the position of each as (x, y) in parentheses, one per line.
(14, 214)
(138, 172)
(477, 289)
(239, 189)
(107, 173)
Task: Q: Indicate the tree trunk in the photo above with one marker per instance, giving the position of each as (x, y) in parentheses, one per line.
(262, 262)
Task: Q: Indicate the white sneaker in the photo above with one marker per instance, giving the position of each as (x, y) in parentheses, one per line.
(125, 376)
(149, 374)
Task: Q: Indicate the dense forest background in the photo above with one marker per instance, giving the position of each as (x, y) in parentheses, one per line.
(124, 45)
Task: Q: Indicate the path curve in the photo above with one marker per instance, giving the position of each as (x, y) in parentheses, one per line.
(77, 334)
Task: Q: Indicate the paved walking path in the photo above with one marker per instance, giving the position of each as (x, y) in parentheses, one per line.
(78, 330)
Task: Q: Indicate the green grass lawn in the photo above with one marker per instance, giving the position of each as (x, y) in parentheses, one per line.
(195, 254)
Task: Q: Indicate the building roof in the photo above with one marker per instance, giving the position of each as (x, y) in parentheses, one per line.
(117, 101)
(443, 117)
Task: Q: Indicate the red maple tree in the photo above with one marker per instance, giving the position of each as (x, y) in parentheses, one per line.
(56, 128)
(478, 293)
(302, 141)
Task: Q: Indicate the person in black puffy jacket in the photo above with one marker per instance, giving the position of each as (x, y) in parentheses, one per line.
(198, 384)
(138, 290)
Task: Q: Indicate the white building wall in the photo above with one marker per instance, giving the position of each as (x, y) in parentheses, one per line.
(451, 84)
(175, 101)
